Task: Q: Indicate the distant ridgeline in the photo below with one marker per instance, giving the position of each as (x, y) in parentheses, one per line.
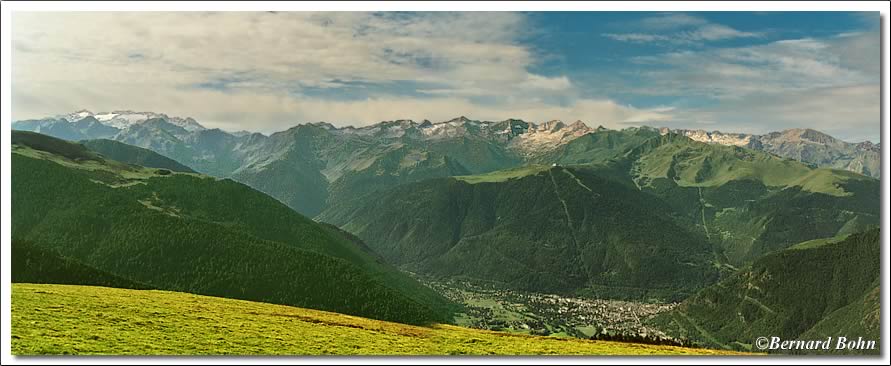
(81, 218)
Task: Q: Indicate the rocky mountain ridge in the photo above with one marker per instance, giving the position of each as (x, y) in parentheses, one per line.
(802, 144)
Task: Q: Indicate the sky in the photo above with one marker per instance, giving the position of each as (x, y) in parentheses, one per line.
(747, 72)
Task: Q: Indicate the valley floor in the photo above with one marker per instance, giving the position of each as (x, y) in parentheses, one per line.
(493, 308)
(63, 319)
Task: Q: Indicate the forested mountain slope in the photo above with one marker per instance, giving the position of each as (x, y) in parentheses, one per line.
(810, 291)
(134, 155)
(553, 229)
(198, 234)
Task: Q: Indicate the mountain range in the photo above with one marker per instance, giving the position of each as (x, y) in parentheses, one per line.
(746, 200)
(641, 213)
(326, 163)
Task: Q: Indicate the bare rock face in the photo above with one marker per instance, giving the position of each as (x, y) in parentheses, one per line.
(717, 137)
(548, 136)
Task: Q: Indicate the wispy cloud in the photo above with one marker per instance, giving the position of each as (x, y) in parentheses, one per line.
(678, 29)
(786, 65)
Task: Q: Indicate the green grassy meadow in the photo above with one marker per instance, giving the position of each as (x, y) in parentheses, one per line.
(504, 175)
(87, 320)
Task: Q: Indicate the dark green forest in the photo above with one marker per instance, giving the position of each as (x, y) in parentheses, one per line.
(30, 264)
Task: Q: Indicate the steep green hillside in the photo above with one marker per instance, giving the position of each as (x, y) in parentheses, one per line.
(83, 320)
(808, 291)
(68, 150)
(398, 166)
(600, 146)
(31, 264)
(544, 229)
(861, 317)
(134, 155)
(476, 154)
(197, 234)
(748, 202)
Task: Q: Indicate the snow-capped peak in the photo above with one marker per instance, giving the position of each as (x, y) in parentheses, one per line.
(125, 118)
(77, 116)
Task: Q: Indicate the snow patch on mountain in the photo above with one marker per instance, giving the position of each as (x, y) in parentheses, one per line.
(76, 116)
(123, 119)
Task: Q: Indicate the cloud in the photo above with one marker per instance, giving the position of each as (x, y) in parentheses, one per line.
(670, 21)
(137, 56)
(715, 32)
(678, 29)
(776, 67)
(537, 82)
(831, 84)
(637, 37)
(269, 71)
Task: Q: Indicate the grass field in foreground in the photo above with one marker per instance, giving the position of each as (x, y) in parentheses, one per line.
(64, 319)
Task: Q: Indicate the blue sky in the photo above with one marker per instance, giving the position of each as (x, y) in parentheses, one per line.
(749, 72)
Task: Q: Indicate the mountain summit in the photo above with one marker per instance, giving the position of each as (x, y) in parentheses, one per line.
(126, 118)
